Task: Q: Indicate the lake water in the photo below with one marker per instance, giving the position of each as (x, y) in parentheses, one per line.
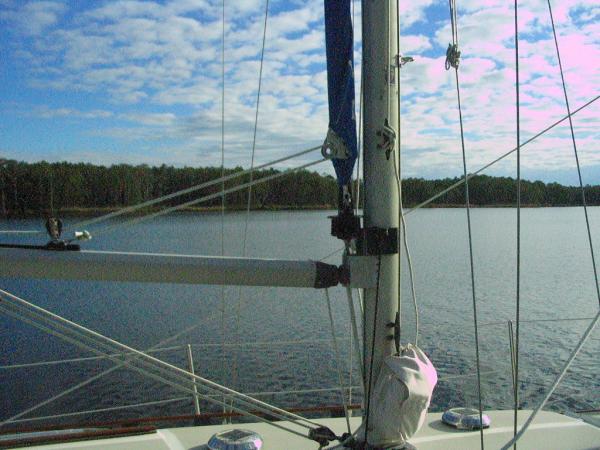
(557, 283)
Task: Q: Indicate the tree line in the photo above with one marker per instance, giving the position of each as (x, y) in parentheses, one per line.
(43, 188)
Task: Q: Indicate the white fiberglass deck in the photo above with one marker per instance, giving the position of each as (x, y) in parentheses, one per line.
(549, 431)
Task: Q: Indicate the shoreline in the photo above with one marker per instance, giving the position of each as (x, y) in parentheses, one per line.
(91, 212)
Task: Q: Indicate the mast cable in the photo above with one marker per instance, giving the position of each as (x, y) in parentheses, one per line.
(207, 197)
(404, 244)
(338, 361)
(249, 201)
(454, 62)
(38, 314)
(500, 158)
(583, 199)
(556, 382)
(223, 365)
(461, 181)
(189, 190)
(371, 358)
(594, 322)
(397, 170)
(104, 373)
(518, 287)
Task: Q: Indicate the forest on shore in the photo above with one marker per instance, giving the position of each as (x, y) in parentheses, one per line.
(39, 188)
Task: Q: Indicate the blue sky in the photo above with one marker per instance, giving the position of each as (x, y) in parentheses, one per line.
(140, 82)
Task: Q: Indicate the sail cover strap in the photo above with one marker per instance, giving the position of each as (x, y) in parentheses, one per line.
(340, 83)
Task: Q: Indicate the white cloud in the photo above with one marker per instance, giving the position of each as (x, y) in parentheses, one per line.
(155, 69)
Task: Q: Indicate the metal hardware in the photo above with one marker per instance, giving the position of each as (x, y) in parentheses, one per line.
(403, 60)
(388, 139)
(377, 241)
(345, 225)
(236, 439)
(334, 146)
(322, 435)
(54, 228)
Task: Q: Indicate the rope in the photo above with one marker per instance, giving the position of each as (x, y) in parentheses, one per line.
(101, 374)
(208, 197)
(359, 356)
(338, 361)
(189, 190)
(249, 201)
(407, 250)
(518, 287)
(374, 335)
(556, 382)
(583, 200)
(510, 152)
(452, 60)
(222, 290)
(37, 315)
(94, 411)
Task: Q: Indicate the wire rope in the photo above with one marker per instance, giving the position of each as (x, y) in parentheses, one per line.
(101, 374)
(404, 244)
(36, 315)
(454, 62)
(518, 280)
(249, 200)
(338, 361)
(371, 356)
(222, 290)
(576, 153)
(188, 190)
(500, 158)
(556, 382)
(207, 197)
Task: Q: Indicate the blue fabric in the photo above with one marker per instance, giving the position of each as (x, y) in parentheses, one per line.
(340, 81)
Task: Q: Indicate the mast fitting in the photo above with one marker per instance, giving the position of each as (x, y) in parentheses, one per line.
(377, 241)
(387, 137)
(334, 146)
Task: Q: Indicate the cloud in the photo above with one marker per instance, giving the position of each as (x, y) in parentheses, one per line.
(33, 18)
(154, 69)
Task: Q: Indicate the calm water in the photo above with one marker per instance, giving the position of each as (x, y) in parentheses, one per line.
(557, 283)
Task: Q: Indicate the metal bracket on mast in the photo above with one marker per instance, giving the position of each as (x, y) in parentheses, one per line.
(388, 139)
(377, 241)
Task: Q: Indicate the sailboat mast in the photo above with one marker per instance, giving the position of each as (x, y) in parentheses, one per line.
(380, 115)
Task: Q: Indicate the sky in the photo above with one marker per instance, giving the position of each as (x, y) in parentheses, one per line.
(139, 82)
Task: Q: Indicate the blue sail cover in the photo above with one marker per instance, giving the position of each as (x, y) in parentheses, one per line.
(340, 82)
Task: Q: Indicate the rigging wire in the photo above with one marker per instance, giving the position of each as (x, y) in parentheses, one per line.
(371, 358)
(223, 365)
(36, 316)
(583, 199)
(500, 158)
(338, 361)
(207, 197)
(556, 382)
(189, 190)
(453, 61)
(583, 339)
(105, 372)
(471, 175)
(397, 170)
(518, 287)
(249, 201)
(404, 244)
